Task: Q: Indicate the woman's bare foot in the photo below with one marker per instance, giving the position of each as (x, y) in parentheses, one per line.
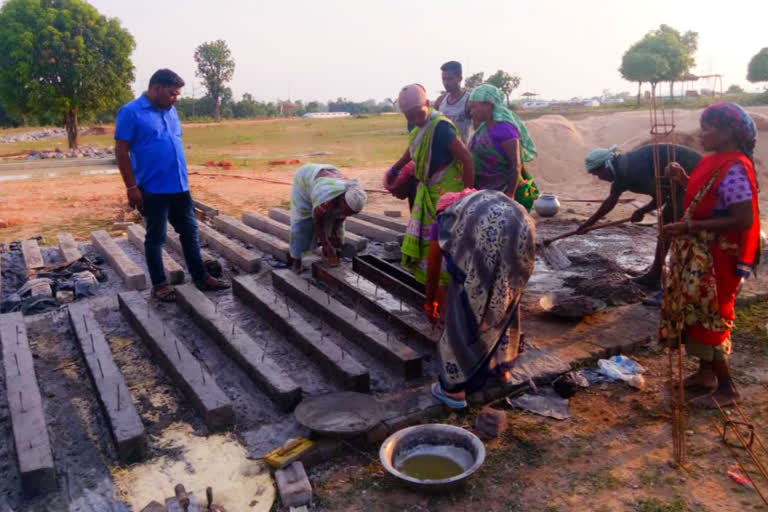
(724, 397)
(704, 379)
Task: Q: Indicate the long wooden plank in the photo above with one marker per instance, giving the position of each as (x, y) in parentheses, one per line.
(329, 356)
(186, 370)
(133, 277)
(264, 242)
(173, 271)
(30, 434)
(354, 327)
(248, 260)
(378, 300)
(114, 396)
(399, 225)
(267, 225)
(352, 241)
(174, 241)
(251, 356)
(389, 282)
(33, 258)
(371, 230)
(68, 247)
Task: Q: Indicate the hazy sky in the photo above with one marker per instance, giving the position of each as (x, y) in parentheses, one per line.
(360, 49)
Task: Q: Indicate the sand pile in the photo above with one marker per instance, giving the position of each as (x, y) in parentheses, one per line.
(563, 143)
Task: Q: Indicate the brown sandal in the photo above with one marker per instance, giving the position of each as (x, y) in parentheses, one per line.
(164, 293)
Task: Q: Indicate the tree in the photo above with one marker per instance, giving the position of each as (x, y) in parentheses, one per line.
(757, 71)
(659, 56)
(473, 81)
(690, 41)
(215, 67)
(735, 89)
(504, 81)
(62, 58)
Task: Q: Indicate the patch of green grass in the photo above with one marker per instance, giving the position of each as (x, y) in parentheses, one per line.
(654, 505)
(602, 479)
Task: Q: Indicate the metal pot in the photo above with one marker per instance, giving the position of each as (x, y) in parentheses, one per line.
(547, 205)
(467, 449)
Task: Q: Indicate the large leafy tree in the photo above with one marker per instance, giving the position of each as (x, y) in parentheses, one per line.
(504, 81)
(757, 71)
(62, 58)
(215, 67)
(660, 56)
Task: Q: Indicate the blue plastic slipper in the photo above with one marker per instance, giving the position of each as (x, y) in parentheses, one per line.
(437, 392)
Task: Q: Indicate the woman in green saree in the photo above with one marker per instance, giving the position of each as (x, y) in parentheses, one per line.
(442, 164)
(500, 147)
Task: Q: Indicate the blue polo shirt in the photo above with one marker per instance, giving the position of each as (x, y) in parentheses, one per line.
(157, 152)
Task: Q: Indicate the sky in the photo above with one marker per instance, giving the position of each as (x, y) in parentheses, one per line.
(361, 49)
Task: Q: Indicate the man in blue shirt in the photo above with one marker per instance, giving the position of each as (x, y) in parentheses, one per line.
(150, 155)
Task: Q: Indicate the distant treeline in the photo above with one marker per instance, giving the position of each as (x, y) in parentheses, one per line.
(249, 108)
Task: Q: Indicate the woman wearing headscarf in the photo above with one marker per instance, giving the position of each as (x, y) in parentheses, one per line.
(714, 248)
(441, 164)
(500, 147)
(321, 198)
(486, 240)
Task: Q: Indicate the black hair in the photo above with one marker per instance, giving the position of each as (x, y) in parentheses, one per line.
(166, 78)
(452, 66)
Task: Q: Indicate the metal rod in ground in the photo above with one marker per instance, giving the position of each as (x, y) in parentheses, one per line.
(264, 352)
(743, 442)
(118, 396)
(21, 402)
(746, 419)
(202, 372)
(93, 347)
(16, 359)
(85, 323)
(738, 461)
(98, 361)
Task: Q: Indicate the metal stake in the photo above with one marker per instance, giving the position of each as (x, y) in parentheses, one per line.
(100, 370)
(328, 295)
(18, 368)
(176, 344)
(118, 396)
(358, 279)
(21, 402)
(202, 373)
(93, 348)
(233, 328)
(264, 352)
(17, 335)
(85, 323)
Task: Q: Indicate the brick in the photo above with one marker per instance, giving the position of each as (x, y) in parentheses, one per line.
(133, 277)
(114, 396)
(264, 242)
(33, 259)
(329, 356)
(68, 247)
(352, 242)
(30, 433)
(356, 328)
(378, 300)
(245, 259)
(249, 354)
(187, 372)
(398, 225)
(293, 485)
(173, 271)
(490, 423)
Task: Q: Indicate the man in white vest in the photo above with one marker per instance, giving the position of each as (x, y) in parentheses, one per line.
(454, 103)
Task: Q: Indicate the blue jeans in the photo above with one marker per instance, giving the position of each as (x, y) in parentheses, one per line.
(159, 210)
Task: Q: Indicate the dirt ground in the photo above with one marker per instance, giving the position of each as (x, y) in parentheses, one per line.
(613, 454)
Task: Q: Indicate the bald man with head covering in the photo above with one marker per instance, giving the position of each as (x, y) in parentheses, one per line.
(441, 164)
(634, 172)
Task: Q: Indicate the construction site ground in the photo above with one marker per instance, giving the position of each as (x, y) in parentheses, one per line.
(612, 454)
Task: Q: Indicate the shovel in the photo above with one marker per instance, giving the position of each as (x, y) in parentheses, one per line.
(555, 257)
